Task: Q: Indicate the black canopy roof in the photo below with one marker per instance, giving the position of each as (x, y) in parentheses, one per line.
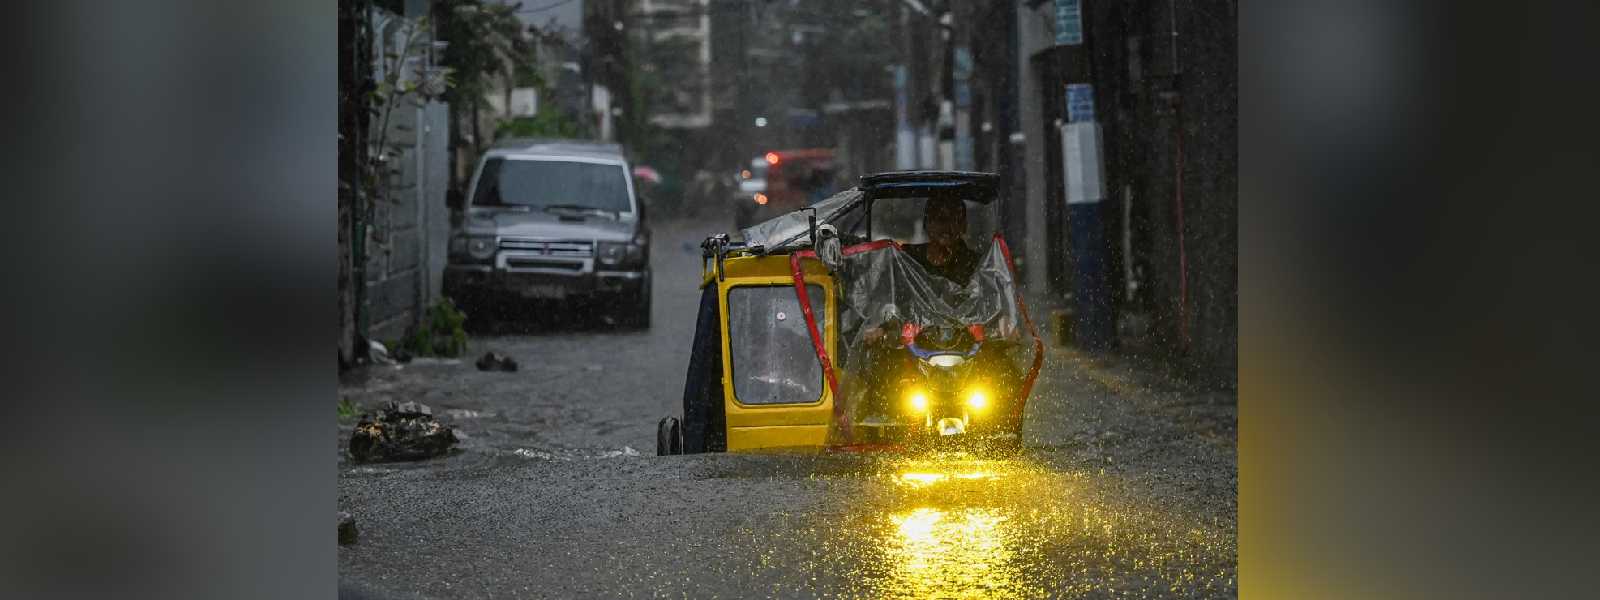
(970, 185)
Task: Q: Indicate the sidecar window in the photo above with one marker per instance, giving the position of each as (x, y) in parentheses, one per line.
(770, 348)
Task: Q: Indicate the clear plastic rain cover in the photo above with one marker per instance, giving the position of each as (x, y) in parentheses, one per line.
(885, 289)
(791, 230)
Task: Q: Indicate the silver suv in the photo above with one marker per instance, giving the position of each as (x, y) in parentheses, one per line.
(556, 221)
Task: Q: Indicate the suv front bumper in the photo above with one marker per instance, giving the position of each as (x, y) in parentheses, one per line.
(461, 280)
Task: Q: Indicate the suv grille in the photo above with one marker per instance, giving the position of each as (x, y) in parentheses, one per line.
(548, 248)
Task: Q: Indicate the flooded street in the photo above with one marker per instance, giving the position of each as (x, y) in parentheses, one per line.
(745, 299)
(935, 228)
(1123, 489)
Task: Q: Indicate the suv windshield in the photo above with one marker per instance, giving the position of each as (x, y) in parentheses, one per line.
(546, 183)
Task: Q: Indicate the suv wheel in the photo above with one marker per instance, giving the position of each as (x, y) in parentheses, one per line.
(633, 310)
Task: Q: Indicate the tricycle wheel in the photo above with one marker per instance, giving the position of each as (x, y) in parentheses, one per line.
(703, 418)
(669, 437)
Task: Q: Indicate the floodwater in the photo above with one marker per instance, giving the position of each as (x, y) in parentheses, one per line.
(1119, 491)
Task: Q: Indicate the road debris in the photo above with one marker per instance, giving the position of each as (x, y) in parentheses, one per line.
(496, 362)
(626, 451)
(464, 413)
(379, 353)
(347, 529)
(401, 431)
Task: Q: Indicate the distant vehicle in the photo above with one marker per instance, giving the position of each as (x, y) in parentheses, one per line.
(554, 221)
(647, 174)
(781, 181)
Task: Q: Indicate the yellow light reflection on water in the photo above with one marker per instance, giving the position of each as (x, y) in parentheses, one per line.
(925, 479)
(917, 479)
(953, 525)
(976, 475)
(961, 553)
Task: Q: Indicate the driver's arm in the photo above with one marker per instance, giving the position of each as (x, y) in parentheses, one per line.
(884, 331)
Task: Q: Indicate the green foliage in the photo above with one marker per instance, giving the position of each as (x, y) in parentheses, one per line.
(348, 410)
(441, 332)
(486, 43)
(649, 92)
(549, 123)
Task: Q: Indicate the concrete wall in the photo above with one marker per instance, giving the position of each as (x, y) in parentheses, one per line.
(410, 227)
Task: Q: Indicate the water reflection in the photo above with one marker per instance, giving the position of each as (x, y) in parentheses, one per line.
(952, 526)
(943, 554)
(948, 534)
(924, 478)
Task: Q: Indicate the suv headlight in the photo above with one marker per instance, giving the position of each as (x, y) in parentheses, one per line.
(611, 253)
(481, 248)
(621, 253)
(477, 247)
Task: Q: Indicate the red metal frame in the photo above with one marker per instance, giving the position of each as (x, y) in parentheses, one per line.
(811, 320)
(1038, 345)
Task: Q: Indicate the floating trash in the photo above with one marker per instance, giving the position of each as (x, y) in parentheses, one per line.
(401, 431)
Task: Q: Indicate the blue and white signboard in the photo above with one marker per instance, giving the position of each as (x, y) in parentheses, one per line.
(1080, 103)
(1069, 23)
(1080, 157)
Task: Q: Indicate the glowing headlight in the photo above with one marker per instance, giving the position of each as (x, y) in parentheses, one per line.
(977, 399)
(919, 401)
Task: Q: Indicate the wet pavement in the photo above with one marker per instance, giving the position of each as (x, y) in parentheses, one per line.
(1125, 488)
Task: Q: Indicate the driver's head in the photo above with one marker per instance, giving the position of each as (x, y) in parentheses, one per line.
(945, 220)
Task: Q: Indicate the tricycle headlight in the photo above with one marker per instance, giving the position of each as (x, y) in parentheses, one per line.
(918, 401)
(977, 399)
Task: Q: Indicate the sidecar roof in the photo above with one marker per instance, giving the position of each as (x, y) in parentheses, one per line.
(789, 229)
(970, 185)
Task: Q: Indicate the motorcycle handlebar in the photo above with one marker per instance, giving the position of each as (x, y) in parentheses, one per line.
(919, 352)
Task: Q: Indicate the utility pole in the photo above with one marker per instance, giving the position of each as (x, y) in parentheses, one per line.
(964, 13)
(1083, 178)
(905, 136)
(945, 125)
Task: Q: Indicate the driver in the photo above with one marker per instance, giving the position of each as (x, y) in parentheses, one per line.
(945, 254)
